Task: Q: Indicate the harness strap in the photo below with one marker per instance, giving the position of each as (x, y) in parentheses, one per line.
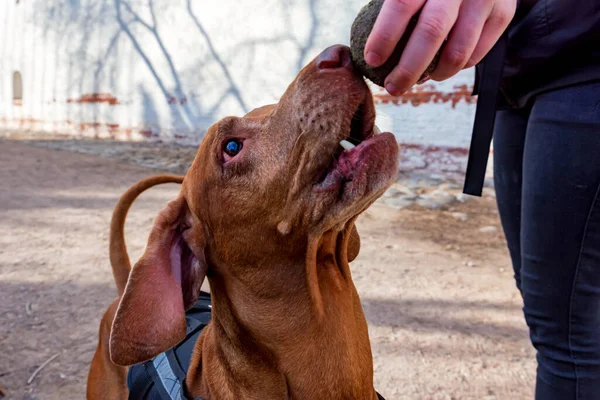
(140, 385)
(166, 371)
(164, 377)
(483, 128)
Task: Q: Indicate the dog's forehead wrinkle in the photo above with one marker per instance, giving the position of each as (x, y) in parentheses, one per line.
(254, 123)
(226, 126)
(317, 213)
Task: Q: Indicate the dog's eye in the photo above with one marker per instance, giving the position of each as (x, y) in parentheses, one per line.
(232, 147)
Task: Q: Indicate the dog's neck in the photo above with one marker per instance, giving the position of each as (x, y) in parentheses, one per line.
(300, 333)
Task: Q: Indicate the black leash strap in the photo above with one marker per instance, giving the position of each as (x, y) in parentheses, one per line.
(485, 115)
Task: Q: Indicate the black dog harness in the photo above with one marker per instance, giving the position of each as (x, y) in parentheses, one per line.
(163, 377)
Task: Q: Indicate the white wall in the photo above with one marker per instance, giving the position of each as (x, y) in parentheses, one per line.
(173, 67)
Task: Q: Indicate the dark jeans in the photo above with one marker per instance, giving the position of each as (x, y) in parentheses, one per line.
(547, 178)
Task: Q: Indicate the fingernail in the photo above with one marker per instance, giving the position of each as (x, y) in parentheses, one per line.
(373, 58)
(391, 88)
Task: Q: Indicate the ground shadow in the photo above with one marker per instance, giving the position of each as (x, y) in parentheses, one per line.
(437, 315)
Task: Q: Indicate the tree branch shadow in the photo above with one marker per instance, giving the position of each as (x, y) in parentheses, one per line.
(137, 25)
(187, 116)
(233, 88)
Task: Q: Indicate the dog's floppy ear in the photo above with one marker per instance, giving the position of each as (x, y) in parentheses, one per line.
(353, 243)
(161, 286)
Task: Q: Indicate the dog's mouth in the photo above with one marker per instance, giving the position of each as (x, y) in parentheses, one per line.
(353, 150)
(362, 126)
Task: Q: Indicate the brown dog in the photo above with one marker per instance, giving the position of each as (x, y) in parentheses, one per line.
(266, 212)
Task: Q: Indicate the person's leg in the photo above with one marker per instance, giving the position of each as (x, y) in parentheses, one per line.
(560, 241)
(509, 144)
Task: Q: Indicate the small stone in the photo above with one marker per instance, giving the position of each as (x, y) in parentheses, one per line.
(436, 200)
(428, 183)
(62, 376)
(411, 198)
(398, 203)
(404, 189)
(449, 186)
(488, 229)
(400, 191)
(470, 264)
(489, 192)
(428, 202)
(439, 193)
(391, 192)
(502, 270)
(462, 197)
(460, 216)
(411, 184)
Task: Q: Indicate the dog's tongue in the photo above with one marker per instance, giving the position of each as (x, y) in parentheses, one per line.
(341, 170)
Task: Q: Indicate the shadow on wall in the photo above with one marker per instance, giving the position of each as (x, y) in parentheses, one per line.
(149, 111)
(108, 42)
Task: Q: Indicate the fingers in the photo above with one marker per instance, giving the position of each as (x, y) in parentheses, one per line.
(474, 27)
(501, 15)
(463, 39)
(388, 29)
(435, 22)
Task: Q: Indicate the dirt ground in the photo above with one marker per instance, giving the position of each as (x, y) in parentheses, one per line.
(444, 316)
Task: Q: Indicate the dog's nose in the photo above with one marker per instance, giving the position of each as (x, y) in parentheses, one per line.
(333, 57)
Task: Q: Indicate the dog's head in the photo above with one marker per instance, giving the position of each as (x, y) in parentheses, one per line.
(260, 185)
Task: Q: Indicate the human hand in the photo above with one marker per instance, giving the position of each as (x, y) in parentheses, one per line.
(472, 27)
